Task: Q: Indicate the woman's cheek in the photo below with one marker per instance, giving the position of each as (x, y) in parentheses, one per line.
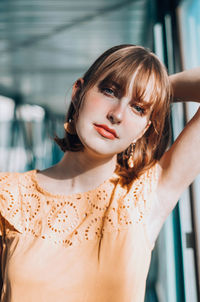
(95, 103)
(135, 125)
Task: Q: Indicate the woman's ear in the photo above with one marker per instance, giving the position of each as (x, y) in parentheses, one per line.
(76, 90)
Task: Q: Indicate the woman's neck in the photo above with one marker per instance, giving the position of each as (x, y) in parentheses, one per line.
(82, 170)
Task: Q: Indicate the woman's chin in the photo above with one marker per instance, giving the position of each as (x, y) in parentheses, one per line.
(99, 145)
(98, 150)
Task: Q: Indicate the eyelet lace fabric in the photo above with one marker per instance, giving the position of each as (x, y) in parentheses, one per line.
(73, 219)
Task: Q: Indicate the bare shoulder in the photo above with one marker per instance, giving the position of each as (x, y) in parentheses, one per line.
(179, 165)
(177, 168)
(166, 199)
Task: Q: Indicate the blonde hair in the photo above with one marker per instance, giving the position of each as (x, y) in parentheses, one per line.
(120, 64)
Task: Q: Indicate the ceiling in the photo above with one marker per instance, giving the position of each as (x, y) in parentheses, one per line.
(45, 45)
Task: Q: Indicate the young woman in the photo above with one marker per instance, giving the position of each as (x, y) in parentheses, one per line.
(83, 230)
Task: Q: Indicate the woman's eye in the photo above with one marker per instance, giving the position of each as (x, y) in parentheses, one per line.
(108, 91)
(138, 109)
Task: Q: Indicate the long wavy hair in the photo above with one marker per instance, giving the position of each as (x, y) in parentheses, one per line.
(120, 64)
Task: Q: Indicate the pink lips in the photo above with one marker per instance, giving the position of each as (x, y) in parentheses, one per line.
(105, 131)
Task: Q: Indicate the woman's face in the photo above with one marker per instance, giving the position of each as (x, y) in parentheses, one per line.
(109, 122)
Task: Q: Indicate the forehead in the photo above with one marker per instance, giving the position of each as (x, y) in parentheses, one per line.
(138, 85)
(142, 88)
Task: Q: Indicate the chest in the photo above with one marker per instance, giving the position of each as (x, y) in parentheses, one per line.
(124, 252)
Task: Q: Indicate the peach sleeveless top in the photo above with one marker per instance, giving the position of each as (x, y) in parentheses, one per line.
(87, 247)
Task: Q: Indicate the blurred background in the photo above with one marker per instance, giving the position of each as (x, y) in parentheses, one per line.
(45, 45)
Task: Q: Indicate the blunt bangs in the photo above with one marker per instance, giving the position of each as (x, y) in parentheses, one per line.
(149, 76)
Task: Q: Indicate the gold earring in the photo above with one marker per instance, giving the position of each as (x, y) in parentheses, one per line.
(70, 127)
(130, 159)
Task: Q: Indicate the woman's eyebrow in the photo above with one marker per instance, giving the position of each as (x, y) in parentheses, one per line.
(110, 83)
(117, 85)
(147, 105)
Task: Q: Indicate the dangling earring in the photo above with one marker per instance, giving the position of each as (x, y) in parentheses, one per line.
(130, 160)
(70, 127)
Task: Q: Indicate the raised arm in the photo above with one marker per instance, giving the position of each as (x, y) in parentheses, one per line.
(186, 85)
(181, 163)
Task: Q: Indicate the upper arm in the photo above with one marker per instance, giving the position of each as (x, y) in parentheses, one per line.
(185, 85)
(180, 164)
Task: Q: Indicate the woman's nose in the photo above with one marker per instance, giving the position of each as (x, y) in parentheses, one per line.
(115, 115)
